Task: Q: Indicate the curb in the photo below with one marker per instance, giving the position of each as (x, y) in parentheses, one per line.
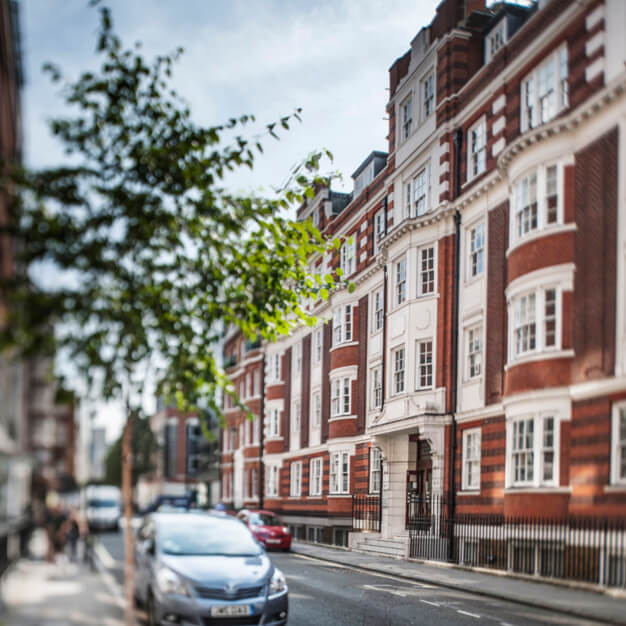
(476, 591)
(103, 560)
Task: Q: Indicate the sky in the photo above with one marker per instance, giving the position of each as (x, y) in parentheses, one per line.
(263, 57)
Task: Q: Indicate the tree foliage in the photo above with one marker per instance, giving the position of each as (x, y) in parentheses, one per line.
(151, 254)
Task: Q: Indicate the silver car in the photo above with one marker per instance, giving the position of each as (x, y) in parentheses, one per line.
(203, 569)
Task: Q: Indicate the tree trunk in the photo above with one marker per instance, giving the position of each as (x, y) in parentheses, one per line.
(127, 497)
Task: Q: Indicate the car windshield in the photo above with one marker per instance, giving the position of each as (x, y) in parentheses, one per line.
(264, 519)
(192, 535)
(101, 504)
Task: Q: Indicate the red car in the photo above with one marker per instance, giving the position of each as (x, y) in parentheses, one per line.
(267, 528)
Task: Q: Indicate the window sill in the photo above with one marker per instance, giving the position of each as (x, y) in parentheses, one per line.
(377, 331)
(427, 296)
(468, 492)
(536, 489)
(274, 438)
(546, 231)
(346, 344)
(424, 389)
(340, 495)
(338, 418)
(474, 279)
(314, 497)
(271, 383)
(615, 488)
(540, 356)
(294, 497)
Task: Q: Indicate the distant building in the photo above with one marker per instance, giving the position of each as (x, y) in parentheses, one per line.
(97, 453)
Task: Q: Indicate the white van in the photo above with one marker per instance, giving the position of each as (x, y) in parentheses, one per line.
(104, 507)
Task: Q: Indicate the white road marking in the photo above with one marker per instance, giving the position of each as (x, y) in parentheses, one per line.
(104, 555)
(431, 603)
(468, 613)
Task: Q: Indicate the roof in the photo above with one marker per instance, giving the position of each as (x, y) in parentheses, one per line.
(370, 157)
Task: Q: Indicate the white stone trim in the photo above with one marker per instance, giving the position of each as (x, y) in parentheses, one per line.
(594, 17)
(498, 103)
(498, 125)
(498, 146)
(594, 69)
(560, 275)
(597, 41)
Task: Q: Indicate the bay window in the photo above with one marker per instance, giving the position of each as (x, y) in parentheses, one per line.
(420, 193)
(342, 324)
(532, 451)
(340, 396)
(535, 322)
(339, 472)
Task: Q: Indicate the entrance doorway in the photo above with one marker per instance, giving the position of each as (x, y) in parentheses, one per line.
(419, 482)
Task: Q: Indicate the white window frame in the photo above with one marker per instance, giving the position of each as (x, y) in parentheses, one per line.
(427, 92)
(339, 473)
(496, 40)
(254, 483)
(379, 228)
(375, 473)
(421, 192)
(316, 412)
(376, 381)
(529, 217)
(541, 99)
(296, 415)
(470, 479)
(477, 149)
(618, 448)
(298, 357)
(342, 324)
(406, 118)
(408, 201)
(423, 366)
(318, 339)
(274, 423)
(522, 316)
(398, 377)
(378, 310)
(316, 476)
(274, 368)
(256, 426)
(256, 382)
(422, 284)
(347, 257)
(295, 479)
(340, 396)
(476, 250)
(474, 352)
(400, 281)
(538, 450)
(272, 481)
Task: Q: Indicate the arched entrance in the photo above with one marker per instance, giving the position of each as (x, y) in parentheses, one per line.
(419, 479)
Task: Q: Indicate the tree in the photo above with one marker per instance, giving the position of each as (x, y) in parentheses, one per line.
(143, 447)
(152, 254)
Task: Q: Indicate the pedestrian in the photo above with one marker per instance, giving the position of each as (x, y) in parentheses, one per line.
(73, 534)
(56, 527)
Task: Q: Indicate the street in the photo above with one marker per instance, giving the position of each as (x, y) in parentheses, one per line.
(326, 594)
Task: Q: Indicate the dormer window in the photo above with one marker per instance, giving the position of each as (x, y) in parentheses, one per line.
(364, 179)
(495, 40)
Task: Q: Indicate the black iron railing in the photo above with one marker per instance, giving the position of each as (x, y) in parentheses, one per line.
(366, 512)
(585, 549)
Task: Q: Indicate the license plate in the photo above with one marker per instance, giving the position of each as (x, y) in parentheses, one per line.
(273, 541)
(232, 610)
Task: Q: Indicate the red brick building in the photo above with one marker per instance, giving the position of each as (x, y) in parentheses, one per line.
(482, 355)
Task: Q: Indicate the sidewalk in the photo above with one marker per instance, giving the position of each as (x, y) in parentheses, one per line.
(37, 593)
(572, 601)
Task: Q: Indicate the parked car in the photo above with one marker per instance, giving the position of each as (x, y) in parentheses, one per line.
(205, 569)
(104, 507)
(267, 528)
(162, 502)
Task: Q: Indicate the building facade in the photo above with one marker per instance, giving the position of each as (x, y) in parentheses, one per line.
(480, 362)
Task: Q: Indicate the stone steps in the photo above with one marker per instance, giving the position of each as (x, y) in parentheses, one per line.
(374, 544)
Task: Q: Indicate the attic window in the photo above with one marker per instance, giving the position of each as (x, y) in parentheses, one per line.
(496, 39)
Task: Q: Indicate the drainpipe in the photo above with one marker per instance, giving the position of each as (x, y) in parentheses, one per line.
(384, 360)
(261, 483)
(458, 144)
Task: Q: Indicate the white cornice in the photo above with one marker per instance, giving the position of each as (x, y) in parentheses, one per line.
(413, 223)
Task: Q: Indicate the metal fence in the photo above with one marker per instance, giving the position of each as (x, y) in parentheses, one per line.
(584, 549)
(366, 512)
